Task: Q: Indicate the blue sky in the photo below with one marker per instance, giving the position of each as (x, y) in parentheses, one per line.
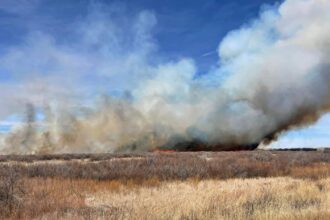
(184, 28)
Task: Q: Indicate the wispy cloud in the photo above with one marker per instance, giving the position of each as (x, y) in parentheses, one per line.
(209, 53)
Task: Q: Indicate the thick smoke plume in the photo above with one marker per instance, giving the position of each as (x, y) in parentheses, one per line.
(273, 75)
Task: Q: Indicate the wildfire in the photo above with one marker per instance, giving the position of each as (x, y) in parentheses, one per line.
(159, 150)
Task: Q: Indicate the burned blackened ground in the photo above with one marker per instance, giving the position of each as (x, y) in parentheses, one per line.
(197, 145)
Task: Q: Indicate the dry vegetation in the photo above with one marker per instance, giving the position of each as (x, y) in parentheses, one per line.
(204, 185)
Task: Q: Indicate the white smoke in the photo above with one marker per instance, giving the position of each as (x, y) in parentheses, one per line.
(273, 75)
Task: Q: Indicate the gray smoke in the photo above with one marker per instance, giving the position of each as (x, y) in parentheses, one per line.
(273, 75)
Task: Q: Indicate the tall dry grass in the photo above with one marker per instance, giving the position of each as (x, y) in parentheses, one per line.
(261, 198)
(272, 198)
(203, 185)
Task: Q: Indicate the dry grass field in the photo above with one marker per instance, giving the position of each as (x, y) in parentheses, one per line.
(200, 185)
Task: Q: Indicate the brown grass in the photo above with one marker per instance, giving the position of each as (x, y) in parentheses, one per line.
(204, 185)
(263, 198)
(174, 166)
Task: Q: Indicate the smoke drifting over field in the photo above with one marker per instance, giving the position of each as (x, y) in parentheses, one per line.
(273, 75)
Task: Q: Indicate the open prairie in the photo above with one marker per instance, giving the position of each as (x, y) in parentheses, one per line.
(167, 185)
(156, 110)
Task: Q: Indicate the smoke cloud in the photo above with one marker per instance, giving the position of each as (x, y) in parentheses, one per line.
(273, 75)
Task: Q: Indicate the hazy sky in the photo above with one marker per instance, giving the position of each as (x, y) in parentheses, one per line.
(186, 28)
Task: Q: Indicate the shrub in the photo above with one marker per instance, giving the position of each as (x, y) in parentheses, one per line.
(11, 191)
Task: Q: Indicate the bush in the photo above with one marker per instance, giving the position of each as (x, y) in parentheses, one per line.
(11, 191)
